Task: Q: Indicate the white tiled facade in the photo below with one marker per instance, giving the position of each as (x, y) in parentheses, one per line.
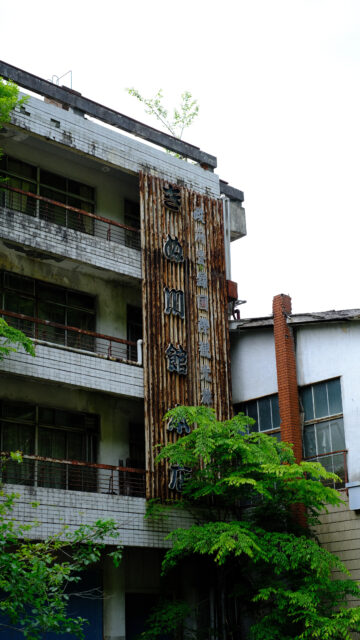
(60, 378)
(62, 366)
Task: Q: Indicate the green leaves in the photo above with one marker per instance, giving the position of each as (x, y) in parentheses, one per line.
(35, 576)
(182, 117)
(12, 339)
(244, 492)
(9, 99)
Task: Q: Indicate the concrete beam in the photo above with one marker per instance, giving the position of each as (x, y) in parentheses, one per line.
(75, 100)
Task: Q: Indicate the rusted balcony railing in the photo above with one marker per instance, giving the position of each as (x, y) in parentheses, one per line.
(59, 334)
(73, 475)
(336, 462)
(65, 216)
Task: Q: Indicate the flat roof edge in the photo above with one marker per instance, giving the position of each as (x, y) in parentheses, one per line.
(75, 100)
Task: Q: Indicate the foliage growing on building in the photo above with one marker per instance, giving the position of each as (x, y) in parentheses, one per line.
(182, 116)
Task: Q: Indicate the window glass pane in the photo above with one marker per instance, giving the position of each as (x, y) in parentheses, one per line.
(19, 304)
(51, 294)
(276, 435)
(19, 283)
(339, 466)
(81, 300)
(53, 313)
(320, 400)
(18, 411)
(323, 437)
(307, 401)
(76, 449)
(52, 443)
(264, 414)
(309, 442)
(252, 413)
(46, 416)
(52, 212)
(52, 180)
(334, 391)
(68, 419)
(337, 434)
(18, 437)
(327, 462)
(82, 190)
(21, 168)
(275, 412)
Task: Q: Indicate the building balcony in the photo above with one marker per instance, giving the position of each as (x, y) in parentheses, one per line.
(71, 493)
(51, 228)
(74, 475)
(77, 357)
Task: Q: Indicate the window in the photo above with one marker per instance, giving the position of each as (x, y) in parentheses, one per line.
(324, 439)
(49, 433)
(41, 300)
(265, 411)
(134, 329)
(27, 177)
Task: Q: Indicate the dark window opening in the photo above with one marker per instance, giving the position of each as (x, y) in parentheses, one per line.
(134, 329)
(131, 219)
(44, 301)
(49, 433)
(50, 185)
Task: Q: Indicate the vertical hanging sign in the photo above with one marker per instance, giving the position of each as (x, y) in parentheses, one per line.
(186, 339)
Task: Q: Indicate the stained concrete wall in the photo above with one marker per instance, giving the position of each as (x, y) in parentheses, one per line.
(253, 366)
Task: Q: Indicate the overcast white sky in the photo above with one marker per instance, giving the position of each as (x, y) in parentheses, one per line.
(278, 87)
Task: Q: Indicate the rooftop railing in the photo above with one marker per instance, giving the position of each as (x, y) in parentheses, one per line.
(65, 216)
(73, 337)
(336, 462)
(73, 475)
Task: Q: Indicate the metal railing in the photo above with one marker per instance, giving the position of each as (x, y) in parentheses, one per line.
(73, 475)
(72, 337)
(336, 462)
(65, 216)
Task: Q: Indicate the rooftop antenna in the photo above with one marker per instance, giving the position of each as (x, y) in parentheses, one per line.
(56, 79)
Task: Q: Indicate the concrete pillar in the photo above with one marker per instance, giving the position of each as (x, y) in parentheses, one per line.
(114, 601)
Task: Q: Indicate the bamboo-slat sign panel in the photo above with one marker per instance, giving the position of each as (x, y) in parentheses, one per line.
(186, 339)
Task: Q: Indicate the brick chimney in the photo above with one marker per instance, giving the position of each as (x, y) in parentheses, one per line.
(290, 422)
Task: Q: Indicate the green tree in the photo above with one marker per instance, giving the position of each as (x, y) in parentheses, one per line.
(245, 491)
(36, 578)
(9, 99)
(12, 339)
(182, 117)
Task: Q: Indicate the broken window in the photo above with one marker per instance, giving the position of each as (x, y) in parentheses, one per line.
(324, 438)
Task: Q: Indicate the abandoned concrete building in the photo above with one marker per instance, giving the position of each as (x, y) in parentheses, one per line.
(114, 259)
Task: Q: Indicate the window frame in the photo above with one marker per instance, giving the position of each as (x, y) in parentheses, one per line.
(316, 421)
(35, 330)
(244, 408)
(30, 473)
